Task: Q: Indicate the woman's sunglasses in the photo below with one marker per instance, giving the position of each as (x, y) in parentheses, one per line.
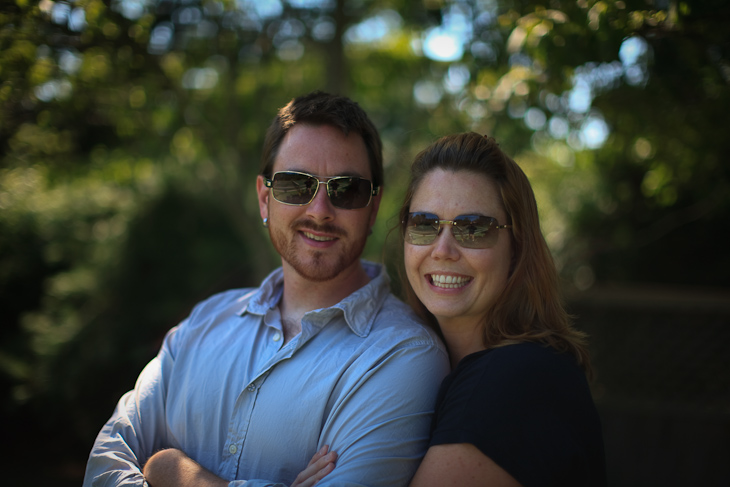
(470, 231)
(299, 188)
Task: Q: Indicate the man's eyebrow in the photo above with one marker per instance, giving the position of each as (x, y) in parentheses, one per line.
(341, 174)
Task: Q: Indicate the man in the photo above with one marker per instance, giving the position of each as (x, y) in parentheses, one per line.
(256, 381)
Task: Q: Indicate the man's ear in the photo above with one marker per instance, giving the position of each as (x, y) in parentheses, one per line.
(375, 206)
(263, 196)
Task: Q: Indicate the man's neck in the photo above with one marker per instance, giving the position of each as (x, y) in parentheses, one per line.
(302, 295)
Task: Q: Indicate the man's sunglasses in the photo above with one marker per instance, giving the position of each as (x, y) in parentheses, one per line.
(470, 231)
(299, 188)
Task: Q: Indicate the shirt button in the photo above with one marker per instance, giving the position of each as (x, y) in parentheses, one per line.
(277, 336)
(250, 388)
(233, 449)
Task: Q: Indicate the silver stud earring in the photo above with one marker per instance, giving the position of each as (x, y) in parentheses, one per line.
(266, 223)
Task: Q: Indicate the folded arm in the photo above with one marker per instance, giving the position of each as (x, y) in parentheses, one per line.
(172, 468)
(135, 430)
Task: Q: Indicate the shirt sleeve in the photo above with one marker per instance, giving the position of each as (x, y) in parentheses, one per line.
(380, 426)
(136, 429)
(380, 422)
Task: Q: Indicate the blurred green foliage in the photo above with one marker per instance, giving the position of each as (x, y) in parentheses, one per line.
(130, 133)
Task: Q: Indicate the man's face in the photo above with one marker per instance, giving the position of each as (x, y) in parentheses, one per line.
(318, 240)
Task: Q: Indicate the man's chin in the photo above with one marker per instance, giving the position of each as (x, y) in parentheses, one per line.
(317, 265)
(318, 270)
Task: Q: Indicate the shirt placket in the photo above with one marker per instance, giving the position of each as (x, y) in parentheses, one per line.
(240, 423)
(246, 403)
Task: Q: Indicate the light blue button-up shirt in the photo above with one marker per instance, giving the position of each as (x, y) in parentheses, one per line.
(362, 377)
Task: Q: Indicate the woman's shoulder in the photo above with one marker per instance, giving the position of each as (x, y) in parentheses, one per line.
(519, 358)
(520, 369)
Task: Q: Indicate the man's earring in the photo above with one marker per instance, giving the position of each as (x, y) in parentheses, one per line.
(266, 223)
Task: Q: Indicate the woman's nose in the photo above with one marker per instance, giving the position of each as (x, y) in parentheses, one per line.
(445, 246)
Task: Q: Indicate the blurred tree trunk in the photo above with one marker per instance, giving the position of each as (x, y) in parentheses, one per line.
(337, 70)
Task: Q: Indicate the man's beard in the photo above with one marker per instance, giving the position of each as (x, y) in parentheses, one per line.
(311, 264)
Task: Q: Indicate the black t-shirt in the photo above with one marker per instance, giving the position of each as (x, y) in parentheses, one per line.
(530, 410)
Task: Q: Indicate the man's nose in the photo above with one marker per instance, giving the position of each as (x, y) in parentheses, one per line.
(321, 207)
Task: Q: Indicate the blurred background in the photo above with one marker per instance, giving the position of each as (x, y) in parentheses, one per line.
(130, 135)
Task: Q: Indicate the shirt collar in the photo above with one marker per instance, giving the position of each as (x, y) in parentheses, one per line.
(359, 308)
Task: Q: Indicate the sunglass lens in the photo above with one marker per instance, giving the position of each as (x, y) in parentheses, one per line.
(422, 228)
(294, 188)
(349, 193)
(475, 231)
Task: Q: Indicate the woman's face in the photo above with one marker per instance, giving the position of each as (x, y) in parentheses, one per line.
(458, 285)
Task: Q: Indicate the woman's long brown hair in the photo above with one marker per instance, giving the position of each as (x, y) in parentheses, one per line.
(530, 307)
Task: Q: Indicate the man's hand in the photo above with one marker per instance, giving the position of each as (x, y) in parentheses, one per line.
(320, 465)
(173, 468)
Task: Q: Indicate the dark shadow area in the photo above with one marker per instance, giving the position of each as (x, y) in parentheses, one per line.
(661, 357)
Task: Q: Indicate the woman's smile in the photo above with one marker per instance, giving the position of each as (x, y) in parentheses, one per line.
(446, 281)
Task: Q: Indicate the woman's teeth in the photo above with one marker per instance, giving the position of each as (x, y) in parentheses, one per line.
(449, 282)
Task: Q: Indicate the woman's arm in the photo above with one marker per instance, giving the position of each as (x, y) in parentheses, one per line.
(322, 463)
(462, 465)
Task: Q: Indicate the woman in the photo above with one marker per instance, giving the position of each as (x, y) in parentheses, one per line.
(516, 409)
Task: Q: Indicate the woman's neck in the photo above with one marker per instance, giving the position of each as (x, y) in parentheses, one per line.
(462, 339)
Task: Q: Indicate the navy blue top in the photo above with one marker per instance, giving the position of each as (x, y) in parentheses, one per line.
(530, 410)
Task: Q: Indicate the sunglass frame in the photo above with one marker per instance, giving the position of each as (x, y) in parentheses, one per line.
(458, 230)
(373, 191)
